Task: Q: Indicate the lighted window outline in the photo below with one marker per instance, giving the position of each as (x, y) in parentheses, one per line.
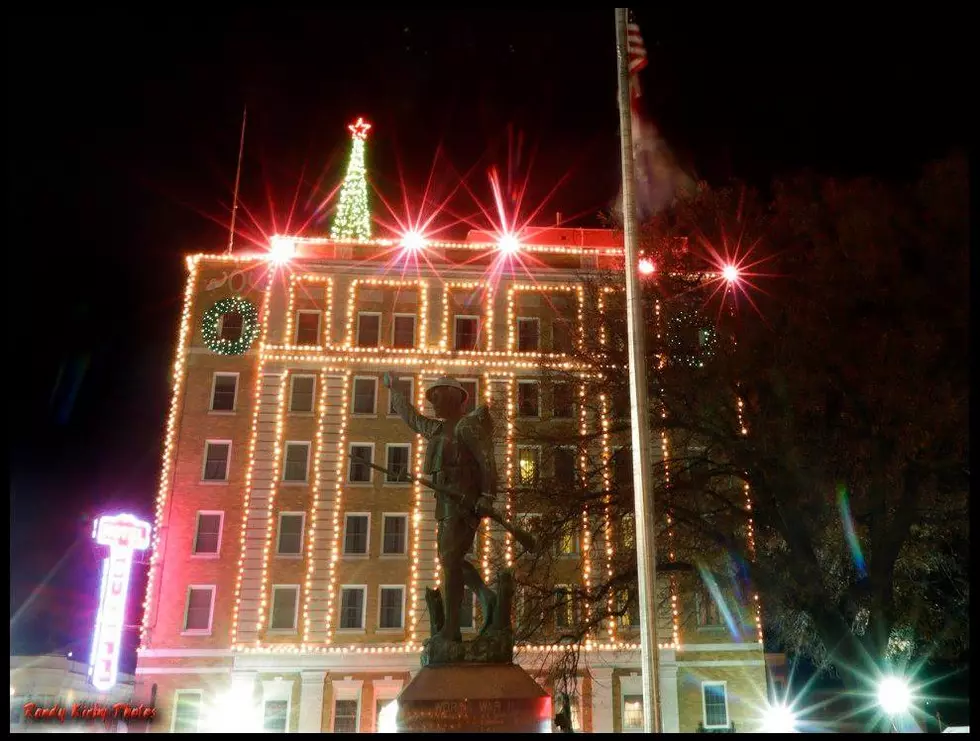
(285, 460)
(410, 396)
(302, 535)
(200, 708)
(319, 328)
(214, 386)
(357, 329)
(272, 609)
(408, 464)
(397, 629)
(704, 704)
(362, 588)
(517, 333)
(353, 397)
(197, 531)
(367, 536)
(204, 465)
(212, 588)
(567, 607)
(415, 329)
(350, 463)
(385, 516)
(479, 334)
(517, 400)
(292, 389)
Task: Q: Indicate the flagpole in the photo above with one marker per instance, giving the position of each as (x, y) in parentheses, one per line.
(646, 547)
(238, 175)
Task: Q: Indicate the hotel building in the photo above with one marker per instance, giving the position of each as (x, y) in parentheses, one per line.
(287, 579)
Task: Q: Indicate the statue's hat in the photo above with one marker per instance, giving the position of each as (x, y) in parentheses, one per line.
(447, 382)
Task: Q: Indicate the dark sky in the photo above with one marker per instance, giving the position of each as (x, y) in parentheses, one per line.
(123, 132)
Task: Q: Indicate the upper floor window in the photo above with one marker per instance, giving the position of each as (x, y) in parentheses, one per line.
(365, 396)
(368, 329)
(472, 394)
(297, 462)
(308, 328)
(403, 331)
(561, 336)
(466, 333)
(224, 392)
(301, 393)
(528, 334)
(230, 326)
(207, 539)
(216, 456)
(564, 407)
(528, 401)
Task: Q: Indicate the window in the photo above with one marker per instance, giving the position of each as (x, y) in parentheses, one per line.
(275, 716)
(230, 326)
(368, 329)
(564, 607)
(472, 394)
(285, 605)
(356, 534)
(290, 533)
(365, 396)
(709, 616)
(564, 407)
(216, 455)
(308, 328)
(527, 334)
(397, 455)
(627, 532)
(394, 537)
(345, 716)
(561, 336)
(352, 608)
(391, 608)
(630, 609)
(358, 471)
(187, 711)
(568, 539)
(466, 610)
(467, 333)
(404, 386)
(528, 404)
(632, 712)
(379, 708)
(297, 462)
(301, 393)
(223, 392)
(622, 468)
(403, 331)
(565, 466)
(207, 540)
(714, 696)
(200, 606)
(528, 465)
(621, 403)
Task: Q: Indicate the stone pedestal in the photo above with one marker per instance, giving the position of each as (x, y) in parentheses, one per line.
(474, 698)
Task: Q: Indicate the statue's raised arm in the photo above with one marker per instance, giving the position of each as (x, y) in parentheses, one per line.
(418, 422)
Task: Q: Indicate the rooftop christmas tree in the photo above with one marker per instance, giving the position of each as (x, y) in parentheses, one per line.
(353, 218)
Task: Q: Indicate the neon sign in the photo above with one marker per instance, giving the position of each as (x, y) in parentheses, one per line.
(123, 534)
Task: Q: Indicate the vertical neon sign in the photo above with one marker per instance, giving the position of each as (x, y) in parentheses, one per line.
(123, 534)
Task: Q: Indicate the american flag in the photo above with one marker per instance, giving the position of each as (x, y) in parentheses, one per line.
(635, 49)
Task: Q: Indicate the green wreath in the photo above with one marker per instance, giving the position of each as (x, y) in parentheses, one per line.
(250, 326)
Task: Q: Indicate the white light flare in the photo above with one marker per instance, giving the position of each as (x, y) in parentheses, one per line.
(729, 273)
(413, 241)
(894, 695)
(508, 244)
(778, 718)
(281, 249)
(646, 266)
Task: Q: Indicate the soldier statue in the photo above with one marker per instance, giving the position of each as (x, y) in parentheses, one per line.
(460, 462)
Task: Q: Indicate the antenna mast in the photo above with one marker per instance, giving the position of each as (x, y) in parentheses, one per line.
(238, 175)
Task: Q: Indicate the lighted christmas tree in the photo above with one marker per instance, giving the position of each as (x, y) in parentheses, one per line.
(353, 218)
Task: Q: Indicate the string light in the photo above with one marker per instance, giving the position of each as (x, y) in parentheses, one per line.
(413, 611)
(353, 217)
(332, 596)
(321, 414)
(750, 527)
(423, 288)
(179, 377)
(470, 285)
(277, 472)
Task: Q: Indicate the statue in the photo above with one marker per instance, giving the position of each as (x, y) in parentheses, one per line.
(459, 458)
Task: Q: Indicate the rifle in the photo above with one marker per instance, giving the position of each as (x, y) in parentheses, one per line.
(522, 536)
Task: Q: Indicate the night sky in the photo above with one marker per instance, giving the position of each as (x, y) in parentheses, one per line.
(121, 146)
